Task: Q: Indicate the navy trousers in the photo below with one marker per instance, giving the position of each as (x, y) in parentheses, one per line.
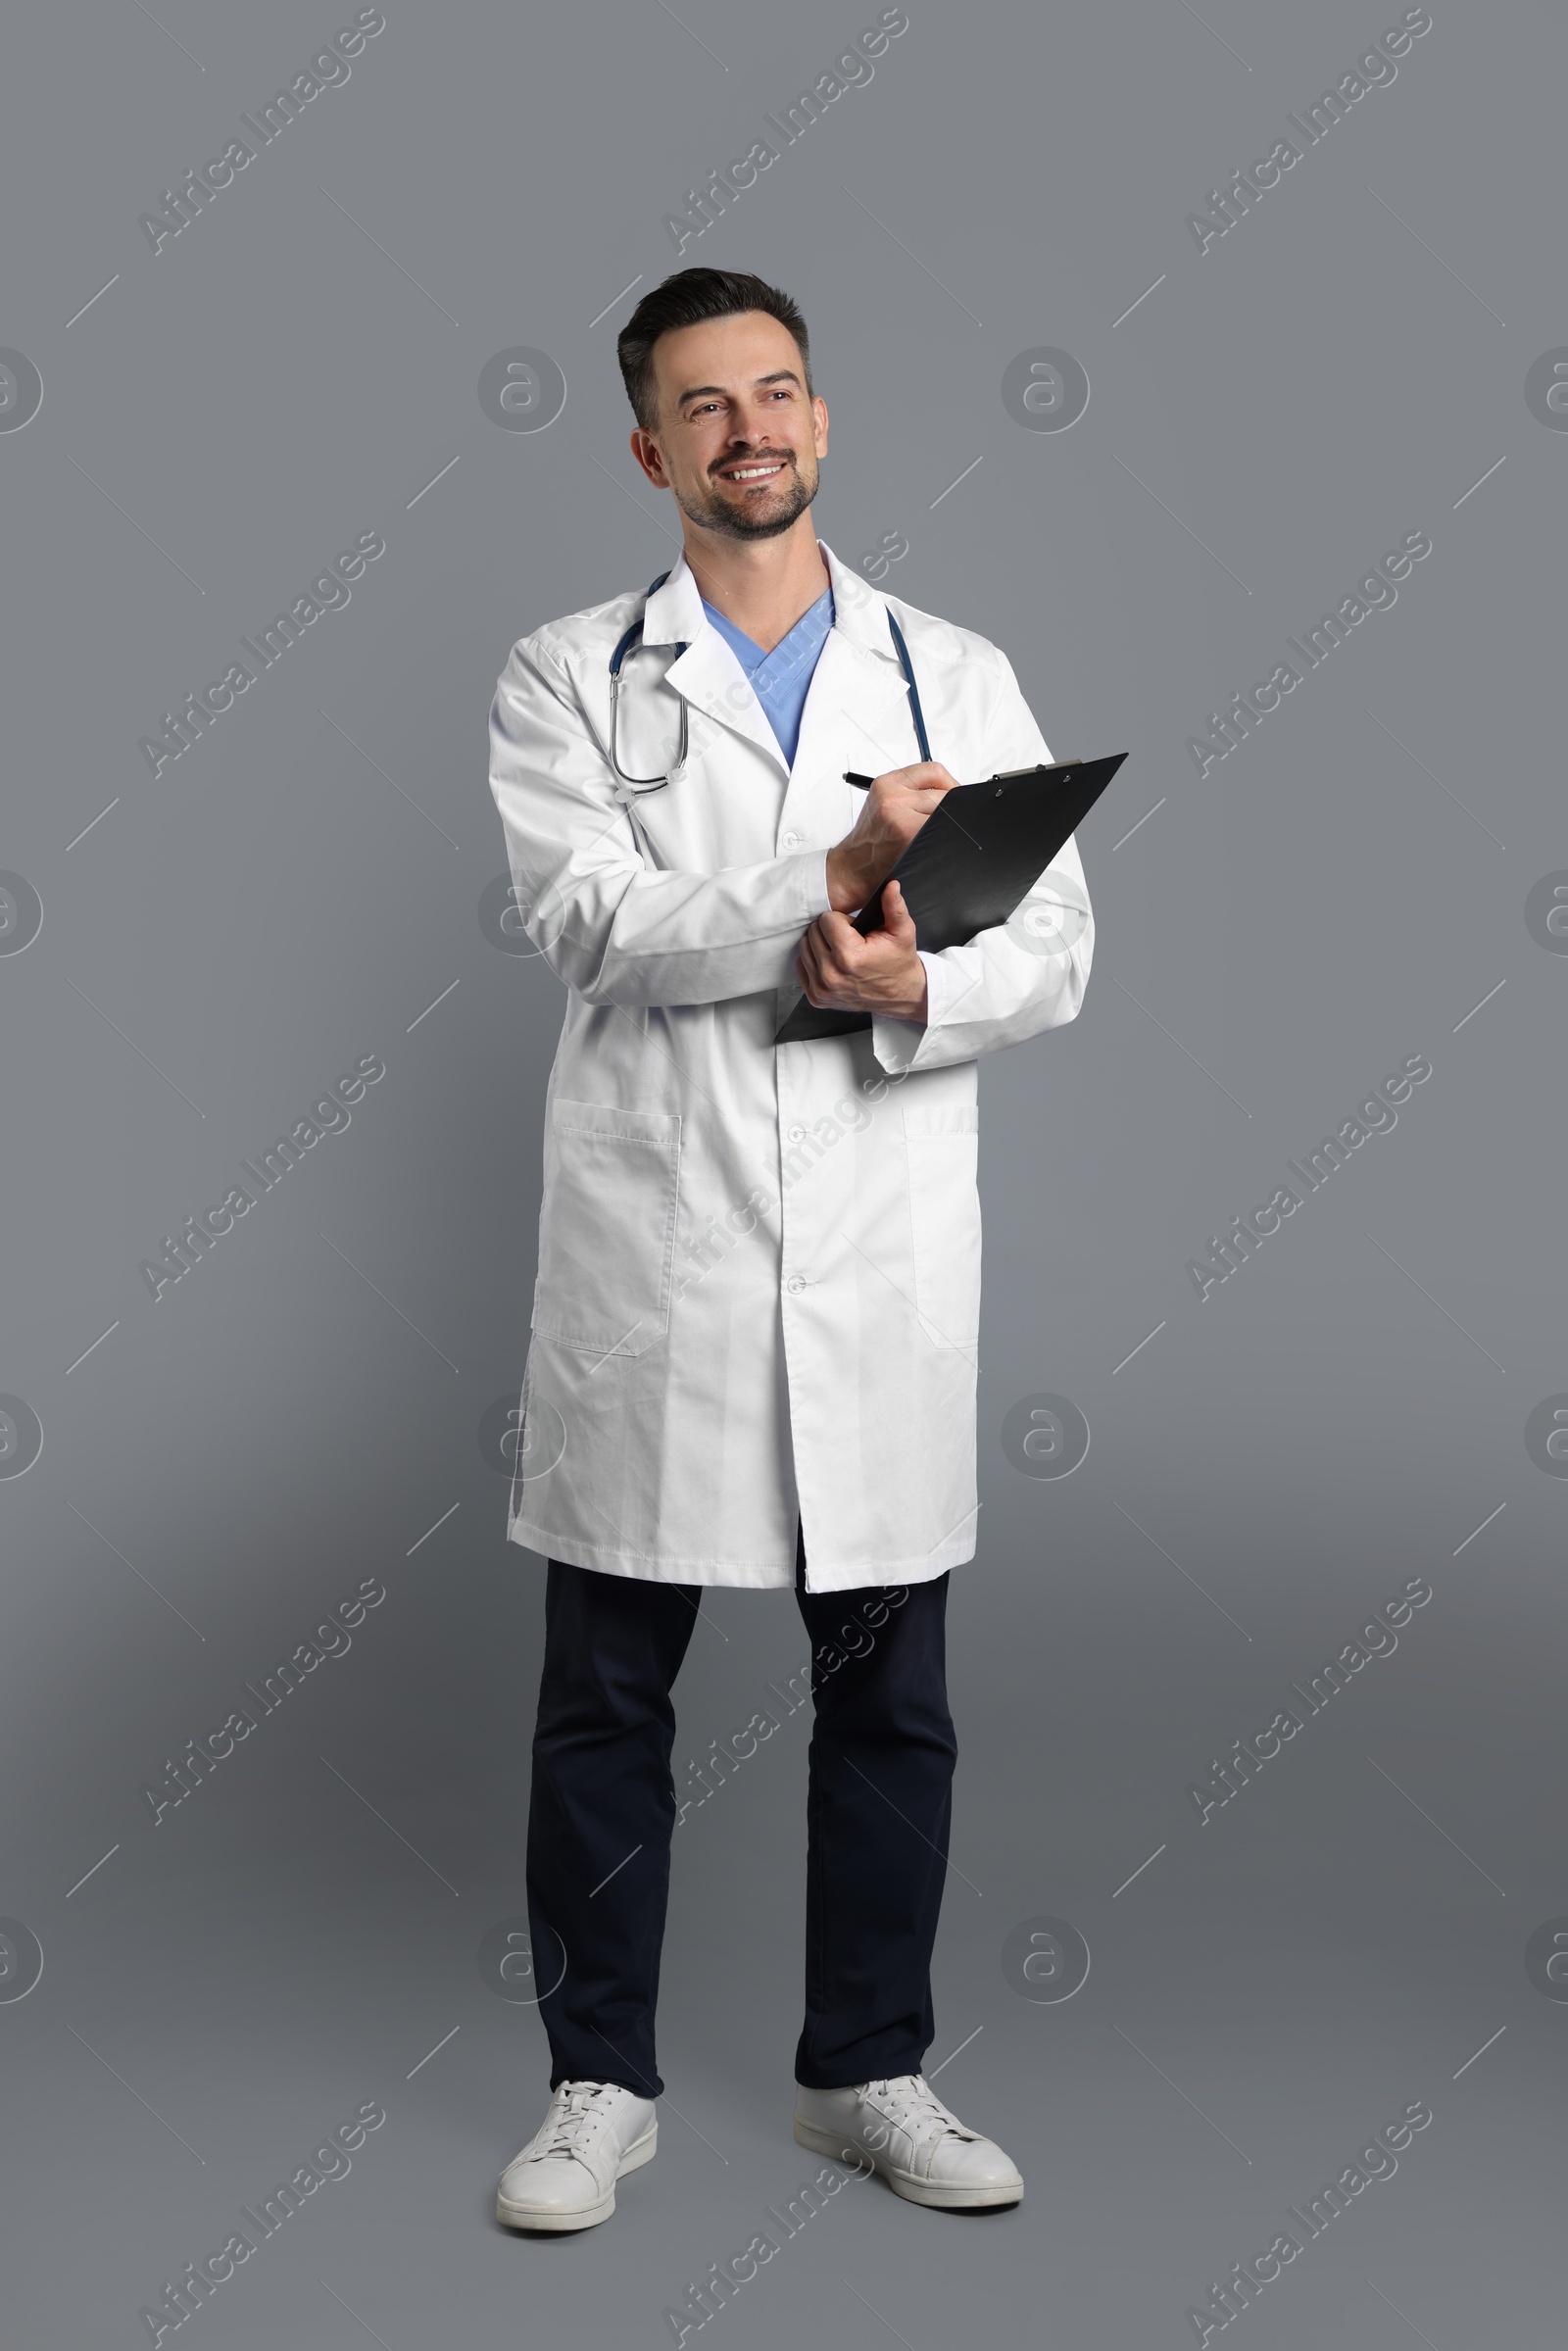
(603, 1809)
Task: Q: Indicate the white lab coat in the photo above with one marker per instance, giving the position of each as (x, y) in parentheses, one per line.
(758, 1271)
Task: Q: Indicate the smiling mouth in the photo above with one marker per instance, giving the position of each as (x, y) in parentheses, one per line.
(758, 469)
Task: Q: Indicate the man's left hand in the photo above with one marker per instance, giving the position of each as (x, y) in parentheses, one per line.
(843, 972)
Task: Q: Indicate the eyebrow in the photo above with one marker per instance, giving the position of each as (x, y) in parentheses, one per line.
(720, 391)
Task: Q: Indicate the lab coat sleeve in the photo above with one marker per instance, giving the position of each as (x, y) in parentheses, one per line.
(609, 923)
(1004, 985)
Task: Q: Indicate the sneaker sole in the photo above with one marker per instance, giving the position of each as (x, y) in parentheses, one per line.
(904, 2184)
(587, 2216)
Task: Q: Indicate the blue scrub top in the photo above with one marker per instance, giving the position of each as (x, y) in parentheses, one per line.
(780, 679)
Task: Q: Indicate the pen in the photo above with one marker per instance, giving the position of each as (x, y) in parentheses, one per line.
(862, 783)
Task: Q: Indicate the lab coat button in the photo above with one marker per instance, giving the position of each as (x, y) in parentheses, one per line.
(792, 840)
(794, 1283)
(797, 1133)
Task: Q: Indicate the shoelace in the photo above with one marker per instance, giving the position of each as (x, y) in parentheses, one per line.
(912, 2106)
(578, 2114)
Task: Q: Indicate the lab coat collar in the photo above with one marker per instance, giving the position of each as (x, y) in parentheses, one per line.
(706, 674)
(674, 611)
(858, 666)
(860, 611)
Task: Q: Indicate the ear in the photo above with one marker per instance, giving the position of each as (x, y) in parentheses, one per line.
(819, 421)
(645, 449)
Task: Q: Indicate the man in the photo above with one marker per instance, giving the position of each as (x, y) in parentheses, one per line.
(754, 1329)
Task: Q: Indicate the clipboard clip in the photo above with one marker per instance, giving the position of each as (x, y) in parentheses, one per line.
(1009, 775)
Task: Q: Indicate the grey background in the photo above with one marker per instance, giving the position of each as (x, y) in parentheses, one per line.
(301, 1409)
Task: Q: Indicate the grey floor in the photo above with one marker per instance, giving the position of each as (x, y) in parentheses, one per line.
(1273, 1987)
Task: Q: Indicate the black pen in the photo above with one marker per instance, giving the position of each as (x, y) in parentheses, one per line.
(862, 783)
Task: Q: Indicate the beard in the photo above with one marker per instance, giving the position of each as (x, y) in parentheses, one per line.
(760, 517)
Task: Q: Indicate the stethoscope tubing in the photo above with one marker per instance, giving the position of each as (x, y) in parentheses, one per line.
(657, 783)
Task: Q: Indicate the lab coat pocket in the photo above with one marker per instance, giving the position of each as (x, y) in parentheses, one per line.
(942, 1146)
(607, 1227)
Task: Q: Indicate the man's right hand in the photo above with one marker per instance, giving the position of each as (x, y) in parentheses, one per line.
(896, 806)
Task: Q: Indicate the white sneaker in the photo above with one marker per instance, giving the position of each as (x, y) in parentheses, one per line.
(903, 2130)
(566, 2175)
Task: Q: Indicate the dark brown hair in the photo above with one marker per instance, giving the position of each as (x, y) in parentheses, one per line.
(689, 299)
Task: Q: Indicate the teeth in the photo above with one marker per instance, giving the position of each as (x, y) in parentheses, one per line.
(753, 473)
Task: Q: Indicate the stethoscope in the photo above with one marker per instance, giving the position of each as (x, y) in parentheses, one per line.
(655, 783)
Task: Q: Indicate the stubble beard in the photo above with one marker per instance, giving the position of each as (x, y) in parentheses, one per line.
(712, 512)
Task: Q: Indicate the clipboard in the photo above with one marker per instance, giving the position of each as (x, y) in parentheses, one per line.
(971, 866)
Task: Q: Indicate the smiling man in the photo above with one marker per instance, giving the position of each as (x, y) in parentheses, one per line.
(757, 1308)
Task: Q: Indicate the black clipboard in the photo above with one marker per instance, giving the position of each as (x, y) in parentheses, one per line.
(971, 866)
